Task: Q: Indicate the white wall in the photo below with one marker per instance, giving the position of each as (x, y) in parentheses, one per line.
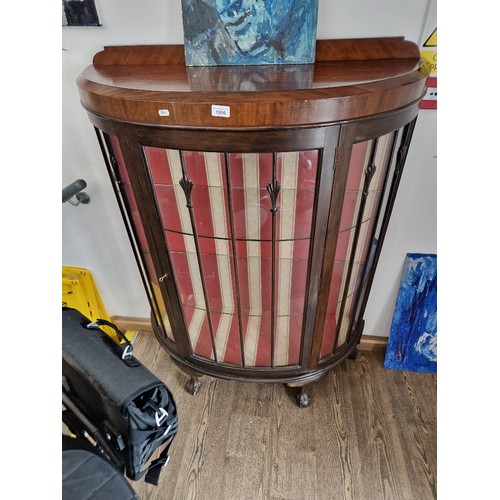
(93, 235)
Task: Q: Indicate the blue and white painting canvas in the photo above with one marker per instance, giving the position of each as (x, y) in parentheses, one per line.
(413, 338)
(249, 32)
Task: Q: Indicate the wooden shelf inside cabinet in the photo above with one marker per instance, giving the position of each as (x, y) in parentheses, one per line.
(257, 197)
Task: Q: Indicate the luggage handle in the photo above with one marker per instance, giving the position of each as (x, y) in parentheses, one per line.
(129, 348)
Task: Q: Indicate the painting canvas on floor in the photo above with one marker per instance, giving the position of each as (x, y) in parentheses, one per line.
(249, 32)
(413, 338)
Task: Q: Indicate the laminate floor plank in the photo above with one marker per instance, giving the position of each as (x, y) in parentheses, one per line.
(293, 461)
(336, 444)
(369, 434)
(410, 402)
(374, 476)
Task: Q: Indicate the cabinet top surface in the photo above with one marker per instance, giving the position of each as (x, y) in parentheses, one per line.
(236, 79)
(352, 78)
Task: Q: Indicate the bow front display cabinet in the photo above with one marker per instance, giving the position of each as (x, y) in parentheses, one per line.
(256, 198)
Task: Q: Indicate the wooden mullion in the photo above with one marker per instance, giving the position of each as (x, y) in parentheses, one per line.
(340, 170)
(323, 197)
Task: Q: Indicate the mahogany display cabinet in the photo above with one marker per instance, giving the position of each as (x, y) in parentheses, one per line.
(256, 198)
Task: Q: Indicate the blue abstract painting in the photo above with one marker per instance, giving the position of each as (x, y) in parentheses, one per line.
(249, 32)
(413, 338)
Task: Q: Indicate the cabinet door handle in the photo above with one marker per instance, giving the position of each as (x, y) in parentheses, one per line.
(163, 277)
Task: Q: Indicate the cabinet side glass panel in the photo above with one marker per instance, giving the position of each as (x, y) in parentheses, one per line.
(227, 251)
(121, 174)
(367, 171)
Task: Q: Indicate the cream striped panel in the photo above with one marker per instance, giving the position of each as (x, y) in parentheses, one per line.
(288, 194)
(194, 327)
(252, 220)
(218, 207)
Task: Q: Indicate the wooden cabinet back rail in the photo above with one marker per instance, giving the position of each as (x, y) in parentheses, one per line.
(257, 198)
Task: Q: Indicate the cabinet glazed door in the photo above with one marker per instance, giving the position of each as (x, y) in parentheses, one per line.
(238, 229)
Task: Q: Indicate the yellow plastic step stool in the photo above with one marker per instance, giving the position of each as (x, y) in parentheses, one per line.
(80, 292)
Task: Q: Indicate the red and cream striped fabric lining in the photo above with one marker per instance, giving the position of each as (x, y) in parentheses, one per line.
(252, 221)
(250, 174)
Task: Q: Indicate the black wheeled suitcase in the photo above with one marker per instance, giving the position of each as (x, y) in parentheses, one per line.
(127, 410)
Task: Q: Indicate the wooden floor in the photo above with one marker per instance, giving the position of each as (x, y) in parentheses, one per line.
(369, 434)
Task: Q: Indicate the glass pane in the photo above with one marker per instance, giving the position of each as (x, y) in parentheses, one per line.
(172, 204)
(254, 272)
(227, 338)
(222, 248)
(252, 214)
(353, 249)
(257, 340)
(186, 270)
(199, 331)
(138, 227)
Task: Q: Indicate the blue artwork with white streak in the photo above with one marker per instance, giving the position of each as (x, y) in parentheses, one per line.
(249, 32)
(413, 338)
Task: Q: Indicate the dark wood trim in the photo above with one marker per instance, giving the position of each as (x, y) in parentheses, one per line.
(278, 374)
(326, 50)
(316, 278)
(273, 189)
(385, 122)
(283, 140)
(131, 55)
(133, 156)
(340, 169)
(366, 129)
(365, 49)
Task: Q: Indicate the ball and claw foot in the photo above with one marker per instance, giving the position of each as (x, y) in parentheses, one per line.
(193, 385)
(303, 398)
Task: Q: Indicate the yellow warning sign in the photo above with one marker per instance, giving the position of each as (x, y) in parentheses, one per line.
(429, 51)
(432, 41)
(431, 59)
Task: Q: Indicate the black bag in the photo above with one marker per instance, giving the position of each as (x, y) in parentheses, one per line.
(122, 405)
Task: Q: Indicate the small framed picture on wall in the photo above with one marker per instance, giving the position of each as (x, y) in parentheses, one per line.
(79, 13)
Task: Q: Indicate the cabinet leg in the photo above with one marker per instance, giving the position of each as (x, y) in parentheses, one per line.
(193, 385)
(303, 399)
(358, 332)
